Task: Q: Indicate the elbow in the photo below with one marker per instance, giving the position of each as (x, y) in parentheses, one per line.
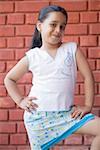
(6, 80)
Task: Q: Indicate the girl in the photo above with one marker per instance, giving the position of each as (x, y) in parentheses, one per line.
(50, 115)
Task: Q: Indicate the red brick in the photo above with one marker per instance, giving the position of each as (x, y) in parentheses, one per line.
(84, 51)
(2, 43)
(6, 7)
(2, 66)
(18, 139)
(2, 76)
(98, 64)
(97, 76)
(94, 29)
(3, 114)
(94, 5)
(28, 41)
(8, 147)
(88, 40)
(72, 5)
(79, 29)
(2, 19)
(97, 101)
(31, 18)
(15, 18)
(6, 31)
(71, 147)
(16, 114)
(86, 17)
(88, 139)
(2, 91)
(73, 17)
(29, 6)
(94, 52)
(7, 127)
(99, 41)
(77, 89)
(6, 55)
(10, 65)
(99, 89)
(23, 147)
(15, 42)
(71, 38)
(92, 64)
(3, 139)
(79, 100)
(24, 30)
(21, 127)
(73, 140)
(19, 54)
(99, 16)
(6, 102)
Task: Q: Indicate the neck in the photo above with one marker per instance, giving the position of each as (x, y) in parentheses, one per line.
(50, 46)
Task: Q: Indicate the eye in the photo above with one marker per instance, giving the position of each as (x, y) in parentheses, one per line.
(53, 25)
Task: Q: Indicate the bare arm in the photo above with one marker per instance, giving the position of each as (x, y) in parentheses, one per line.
(13, 76)
(85, 71)
(10, 82)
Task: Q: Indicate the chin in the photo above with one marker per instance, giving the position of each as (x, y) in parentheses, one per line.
(55, 42)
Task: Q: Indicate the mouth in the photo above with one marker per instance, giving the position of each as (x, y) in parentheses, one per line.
(56, 36)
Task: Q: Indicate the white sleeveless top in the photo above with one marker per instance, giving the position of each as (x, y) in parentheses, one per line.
(53, 78)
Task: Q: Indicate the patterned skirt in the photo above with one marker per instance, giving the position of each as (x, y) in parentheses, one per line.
(45, 129)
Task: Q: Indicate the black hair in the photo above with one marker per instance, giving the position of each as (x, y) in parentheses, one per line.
(37, 39)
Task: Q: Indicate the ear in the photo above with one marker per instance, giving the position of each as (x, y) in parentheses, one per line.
(38, 25)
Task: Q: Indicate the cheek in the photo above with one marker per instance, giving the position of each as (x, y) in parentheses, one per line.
(44, 32)
(47, 31)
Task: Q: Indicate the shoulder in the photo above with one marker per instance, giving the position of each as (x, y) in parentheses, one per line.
(71, 45)
(31, 51)
(31, 56)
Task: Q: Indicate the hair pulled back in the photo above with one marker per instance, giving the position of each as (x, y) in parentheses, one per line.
(43, 14)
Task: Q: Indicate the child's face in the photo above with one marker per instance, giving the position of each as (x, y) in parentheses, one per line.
(52, 28)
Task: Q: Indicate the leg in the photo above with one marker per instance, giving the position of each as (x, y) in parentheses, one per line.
(92, 128)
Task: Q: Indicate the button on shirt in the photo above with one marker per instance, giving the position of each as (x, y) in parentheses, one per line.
(53, 78)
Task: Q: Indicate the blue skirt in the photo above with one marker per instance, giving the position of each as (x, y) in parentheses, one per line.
(45, 129)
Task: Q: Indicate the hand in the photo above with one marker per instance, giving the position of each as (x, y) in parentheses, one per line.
(27, 104)
(80, 111)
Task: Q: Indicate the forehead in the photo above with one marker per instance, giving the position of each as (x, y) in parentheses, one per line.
(56, 16)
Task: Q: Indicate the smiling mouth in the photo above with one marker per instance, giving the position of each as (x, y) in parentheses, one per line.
(56, 36)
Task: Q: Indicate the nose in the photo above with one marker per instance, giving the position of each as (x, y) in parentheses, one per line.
(58, 30)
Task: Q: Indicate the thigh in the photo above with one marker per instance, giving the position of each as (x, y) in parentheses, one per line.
(92, 127)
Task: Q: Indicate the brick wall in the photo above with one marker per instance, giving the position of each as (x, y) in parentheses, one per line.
(17, 19)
